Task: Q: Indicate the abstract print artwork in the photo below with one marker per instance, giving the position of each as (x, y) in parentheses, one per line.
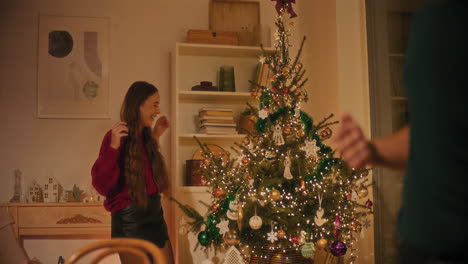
(73, 78)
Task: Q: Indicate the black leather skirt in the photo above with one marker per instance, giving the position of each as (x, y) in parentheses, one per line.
(144, 223)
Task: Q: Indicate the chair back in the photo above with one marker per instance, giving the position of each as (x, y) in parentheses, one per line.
(134, 250)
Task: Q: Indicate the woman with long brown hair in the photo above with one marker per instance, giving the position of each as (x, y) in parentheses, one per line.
(130, 170)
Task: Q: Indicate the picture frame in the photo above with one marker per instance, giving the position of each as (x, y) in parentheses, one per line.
(73, 67)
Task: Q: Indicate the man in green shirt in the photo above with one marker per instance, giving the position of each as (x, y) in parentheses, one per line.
(433, 148)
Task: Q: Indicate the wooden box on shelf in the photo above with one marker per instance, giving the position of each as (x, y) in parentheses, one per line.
(212, 37)
(193, 173)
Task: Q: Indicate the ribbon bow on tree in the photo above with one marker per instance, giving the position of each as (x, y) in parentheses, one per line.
(285, 3)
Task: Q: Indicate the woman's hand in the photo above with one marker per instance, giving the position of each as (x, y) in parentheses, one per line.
(162, 124)
(119, 130)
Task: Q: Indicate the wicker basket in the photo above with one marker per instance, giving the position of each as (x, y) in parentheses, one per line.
(277, 255)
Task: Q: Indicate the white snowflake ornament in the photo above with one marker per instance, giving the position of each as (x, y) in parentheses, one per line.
(263, 113)
(223, 226)
(310, 148)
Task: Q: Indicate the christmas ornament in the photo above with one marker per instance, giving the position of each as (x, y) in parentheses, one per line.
(223, 226)
(357, 226)
(206, 161)
(270, 155)
(319, 220)
(337, 224)
(218, 192)
(287, 168)
(245, 161)
(298, 66)
(245, 251)
(240, 216)
(272, 236)
(232, 212)
(369, 203)
(275, 194)
(287, 130)
(281, 233)
(294, 240)
(278, 135)
(302, 237)
(310, 148)
(326, 133)
(255, 222)
(338, 248)
(203, 238)
(300, 132)
(322, 243)
(363, 192)
(348, 196)
(263, 113)
(354, 196)
(215, 207)
(231, 238)
(302, 184)
(285, 91)
(272, 78)
(297, 110)
(251, 184)
(308, 250)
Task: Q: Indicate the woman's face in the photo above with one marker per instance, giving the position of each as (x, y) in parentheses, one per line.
(150, 109)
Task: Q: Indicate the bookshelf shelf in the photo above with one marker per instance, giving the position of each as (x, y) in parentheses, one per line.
(202, 95)
(189, 137)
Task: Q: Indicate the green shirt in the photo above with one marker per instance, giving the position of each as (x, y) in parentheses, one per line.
(434, 210)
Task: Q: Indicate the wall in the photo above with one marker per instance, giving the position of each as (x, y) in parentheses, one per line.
(141, 35)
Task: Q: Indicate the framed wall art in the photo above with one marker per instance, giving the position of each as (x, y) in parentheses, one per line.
(73, 70)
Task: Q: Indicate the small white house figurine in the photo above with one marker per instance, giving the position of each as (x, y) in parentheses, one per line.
(35, 193)
(52, 190)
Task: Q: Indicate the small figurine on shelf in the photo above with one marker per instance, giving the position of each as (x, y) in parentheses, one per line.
(17, 188)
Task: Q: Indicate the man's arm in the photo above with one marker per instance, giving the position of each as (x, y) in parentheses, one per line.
(358, 151)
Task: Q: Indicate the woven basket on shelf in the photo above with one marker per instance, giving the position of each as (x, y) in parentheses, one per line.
(279, 255)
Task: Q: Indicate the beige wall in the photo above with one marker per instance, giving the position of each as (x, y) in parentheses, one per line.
(141, 35)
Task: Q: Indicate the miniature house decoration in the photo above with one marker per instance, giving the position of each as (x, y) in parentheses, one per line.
(52, 190)
(35, 193)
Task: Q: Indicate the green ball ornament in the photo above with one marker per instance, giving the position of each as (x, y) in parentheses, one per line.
(308, 250)
(203, 238)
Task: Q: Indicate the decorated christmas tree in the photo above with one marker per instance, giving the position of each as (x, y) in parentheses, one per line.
(282, 189)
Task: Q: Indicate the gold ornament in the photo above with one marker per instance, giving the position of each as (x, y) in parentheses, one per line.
(322, 243)
(281, 233)
(300, 132)
(326, 133)
(218, 192)
(357, 226)
(245, 251)
(298, 66)
(272, 78)
(206, 161)
(231, 238)
(287, 130)
(215, 207)
(302, 183)
(363, 192)
(245, 161)
(275, 194)
(240, 216)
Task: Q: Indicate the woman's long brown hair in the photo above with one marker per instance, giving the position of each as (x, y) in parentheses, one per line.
(133, 157)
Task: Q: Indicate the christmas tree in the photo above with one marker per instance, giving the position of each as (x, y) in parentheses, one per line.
(284, 189)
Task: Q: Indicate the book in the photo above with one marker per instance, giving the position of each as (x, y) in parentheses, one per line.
(214, 124)
(214, 109)
(226, 118)
(209, 113)
(216, 121)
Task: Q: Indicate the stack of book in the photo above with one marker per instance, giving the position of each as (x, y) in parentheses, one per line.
(216, 121)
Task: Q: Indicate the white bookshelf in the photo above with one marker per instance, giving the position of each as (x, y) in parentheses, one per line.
(191, 64)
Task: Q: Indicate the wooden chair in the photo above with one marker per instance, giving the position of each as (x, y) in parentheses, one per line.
(134, 250)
